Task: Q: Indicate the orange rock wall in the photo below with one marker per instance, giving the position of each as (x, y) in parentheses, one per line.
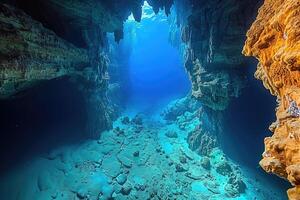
(274, 39)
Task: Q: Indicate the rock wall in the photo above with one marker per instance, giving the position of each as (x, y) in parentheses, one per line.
(73, 19)
(213, 33)
(211, 38)
(274, 39)
(201, 124)
(31, 54)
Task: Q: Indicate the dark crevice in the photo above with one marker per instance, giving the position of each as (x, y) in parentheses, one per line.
(246, 123)
(39, 120)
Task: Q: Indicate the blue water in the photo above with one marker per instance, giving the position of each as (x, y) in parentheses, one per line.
(156, 69)
(141, 156)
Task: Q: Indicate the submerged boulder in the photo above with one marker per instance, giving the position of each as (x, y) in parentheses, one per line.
(125, 120)
(126, 189)
(235, 186)
(111, 166)
(171, 134)
(121, 179)
(205, 163)
(138, 120)
(223, 167)
(179, 107)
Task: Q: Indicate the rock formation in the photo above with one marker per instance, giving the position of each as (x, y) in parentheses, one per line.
(46, 40)
(31, 54)
(202, 126)
(213, 33)
(124, 164)
(78, 28)
(274, 39)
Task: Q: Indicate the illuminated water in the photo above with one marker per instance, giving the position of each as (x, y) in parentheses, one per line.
(146, 155)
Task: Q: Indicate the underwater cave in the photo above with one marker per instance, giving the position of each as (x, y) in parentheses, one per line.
(149, 100)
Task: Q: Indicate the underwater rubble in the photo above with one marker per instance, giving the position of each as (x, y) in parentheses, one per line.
(142, 157)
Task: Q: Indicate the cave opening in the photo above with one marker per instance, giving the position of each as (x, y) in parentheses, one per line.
(156, 74)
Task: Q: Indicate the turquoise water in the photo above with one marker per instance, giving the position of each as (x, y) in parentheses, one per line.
(161, 147)
(142, 157)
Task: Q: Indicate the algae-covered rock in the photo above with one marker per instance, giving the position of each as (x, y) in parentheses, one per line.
(205, 163)
(235, 185)
(138, 120)
(224, 168)
(181, 167)
(126, 189)
(171, 134)
(125, 120)
(121, 179)
(179, 107)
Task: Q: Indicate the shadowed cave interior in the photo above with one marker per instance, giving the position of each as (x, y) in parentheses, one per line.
(132, 100)
(41, 119)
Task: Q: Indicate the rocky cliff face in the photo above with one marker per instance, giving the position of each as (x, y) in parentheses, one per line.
(212, 35)
(274, 39)
(75, 20)
(214, 32)
(31, 54)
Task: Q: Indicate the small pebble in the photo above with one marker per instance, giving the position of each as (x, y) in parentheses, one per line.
(136, 154)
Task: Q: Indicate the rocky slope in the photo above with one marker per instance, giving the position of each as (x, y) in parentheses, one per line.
(141, 158)
(274, 39)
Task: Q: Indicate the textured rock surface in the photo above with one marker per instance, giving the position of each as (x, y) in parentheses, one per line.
(274, 39)
(165, 169)
(75, 20)
(201, 123)
(214, 34)
(179, 107)
(32, 53)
